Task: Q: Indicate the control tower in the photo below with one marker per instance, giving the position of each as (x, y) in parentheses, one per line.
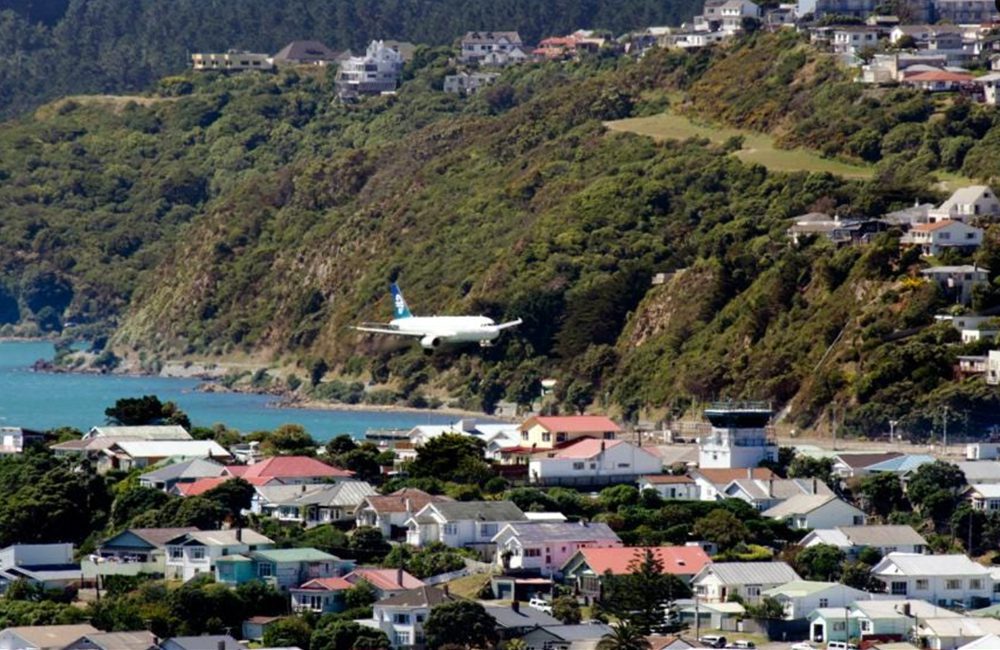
(740, 436)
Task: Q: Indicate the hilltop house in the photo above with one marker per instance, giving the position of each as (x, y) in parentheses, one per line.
(196, 552)
(131, 552)
(311, 505)
(983, 496)
(957, 282)
(49, 566)
(491, 48)
(283, 568)
(852, 39)
(800, 597)
(93, 443)
(324, 595)
(461, 523)
(290, 470)
(719, 581)
(938, 81)
(873, 617)
(402, 615)
(806, 511)
(991, 87)
(855, 465)
(389, 513)
(166, 477)
(545, 546)
(946, 580)
(586, 568)
(669, 486)
(126, 455)
(230, 61)
(712, 483)
(545, 432)
(378, 71)
(468, 83)
(968, 203)
(592, 461)
(305, 53)
(937, 237)
(853, 539)
(14, 440)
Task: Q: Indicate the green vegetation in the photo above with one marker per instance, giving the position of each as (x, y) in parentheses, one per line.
(254, 216)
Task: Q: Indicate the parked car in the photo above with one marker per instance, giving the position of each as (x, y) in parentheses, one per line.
(540, 604)
(802, 645)
(840, 645)
(713, 641)
(742, 644)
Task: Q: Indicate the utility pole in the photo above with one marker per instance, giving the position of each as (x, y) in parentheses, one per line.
(892, 430)
(944, 427)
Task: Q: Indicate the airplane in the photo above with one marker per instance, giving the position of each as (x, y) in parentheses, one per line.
(435, 330)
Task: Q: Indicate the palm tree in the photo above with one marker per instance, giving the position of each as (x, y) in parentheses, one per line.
(623, 636)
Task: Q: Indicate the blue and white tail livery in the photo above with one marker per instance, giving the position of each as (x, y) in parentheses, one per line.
(435, 330)
(399, 303)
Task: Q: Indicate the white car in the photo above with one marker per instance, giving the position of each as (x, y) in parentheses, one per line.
(802, 645)
(540, 604)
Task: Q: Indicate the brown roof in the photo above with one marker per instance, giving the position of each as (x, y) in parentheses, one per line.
(724, 476)
(666, 479)
(941, 75)
(931, 227)
(396, 502)
(857, 461)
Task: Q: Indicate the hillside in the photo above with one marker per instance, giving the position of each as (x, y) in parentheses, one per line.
(251, 216)
(59, 47)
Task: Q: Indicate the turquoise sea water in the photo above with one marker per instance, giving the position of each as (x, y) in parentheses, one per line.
(45, 401)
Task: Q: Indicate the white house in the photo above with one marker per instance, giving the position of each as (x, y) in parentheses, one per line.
(126, 455)
(196, 552)
(670, 487)
(993, 367)
(983, 496)
(231, 61)
(166, 477)
(853, 539)
(376, 72)
(990, 84)
(50, 566)
(461, 523)
(712, 483)
(951, 632)
(855, 465)
(851, 40)
(816, 511)
(941, 579)
(546, 546)
(763, 494)
(593, 462)
(481, 46)
(980, 472)
(935, 238)
(390, 512)
(468, 83)
(958, 282)
(967, 203)
(311, 505)
(739, 437)
(402, 615)
(799, 597)
(718, 581)
(733, 12)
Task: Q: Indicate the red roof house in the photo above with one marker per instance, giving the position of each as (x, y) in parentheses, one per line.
(589, 565)
(293, 470)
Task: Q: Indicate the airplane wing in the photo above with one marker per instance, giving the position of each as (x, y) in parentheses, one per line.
(513, 323)
(381, 328)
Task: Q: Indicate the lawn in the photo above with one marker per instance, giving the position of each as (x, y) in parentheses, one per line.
(757, 147)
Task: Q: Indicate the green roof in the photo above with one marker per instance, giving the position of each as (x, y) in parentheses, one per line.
(233, 558)
(295, 555)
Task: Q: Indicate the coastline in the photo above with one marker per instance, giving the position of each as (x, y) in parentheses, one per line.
(384, 408)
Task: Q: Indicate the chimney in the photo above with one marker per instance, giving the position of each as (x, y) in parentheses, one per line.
(444, 588)
(815, 485)
(750, 472)
(239, 534)
(906, 609)
(399, 577)
(221, 645)
(770, 487)
(409, 507)
(303, 488)
(515, 605)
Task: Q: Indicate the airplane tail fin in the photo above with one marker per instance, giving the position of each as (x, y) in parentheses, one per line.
(399, 307)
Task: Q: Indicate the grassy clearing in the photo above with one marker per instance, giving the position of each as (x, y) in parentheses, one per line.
(114, 103)
(469, 586)
(757, 147)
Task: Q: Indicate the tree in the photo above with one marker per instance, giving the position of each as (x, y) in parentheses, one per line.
(857, 574)
(288, 632)
(452, 457)
(347, 635)
(367, 544)
(317, 369)
(232, 496)
(721, 527)
(460, 622)
(148, 409)
(933, 477)
(820, 562)
(882, 494)
(362, 594)
(286, 440)
(566, 609)
(769, 608)
(809, 467)
(643, 594)
(624, 636)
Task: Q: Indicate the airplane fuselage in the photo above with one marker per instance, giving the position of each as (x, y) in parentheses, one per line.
(435, 330)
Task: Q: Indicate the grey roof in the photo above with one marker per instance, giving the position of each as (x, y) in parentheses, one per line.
(157, 537)
(305, 51)
(142, 432)
(225, 537)
(524, 617)
(781, 488)
(915, 564)
(580, 632)
(801, 504)
(882, 535)
(741, 573)
(548, 531)
(978, 471)
(420, 597)
(120, 640)
(345, 493)
(207, 642)
(479, 510)
(194, 468)
(52, 636)
(487, 37)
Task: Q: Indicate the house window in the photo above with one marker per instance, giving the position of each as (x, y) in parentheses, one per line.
(898, 588)
(624, 465)
(975, 583)
(560, 437)
(532, 552)
(953, 584)
(176, 553)
(753, 591)
(922, 584)
(866, 625)
(578, 465)
(824, 602)
(401, 619)
(487, 530)
(420, 618)
(451, 529)
(402, 638)
(524, 435)
(593, 466)
(546, 437)
(198, 553)
(264, 570)
(838, 626)
(315, 603)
